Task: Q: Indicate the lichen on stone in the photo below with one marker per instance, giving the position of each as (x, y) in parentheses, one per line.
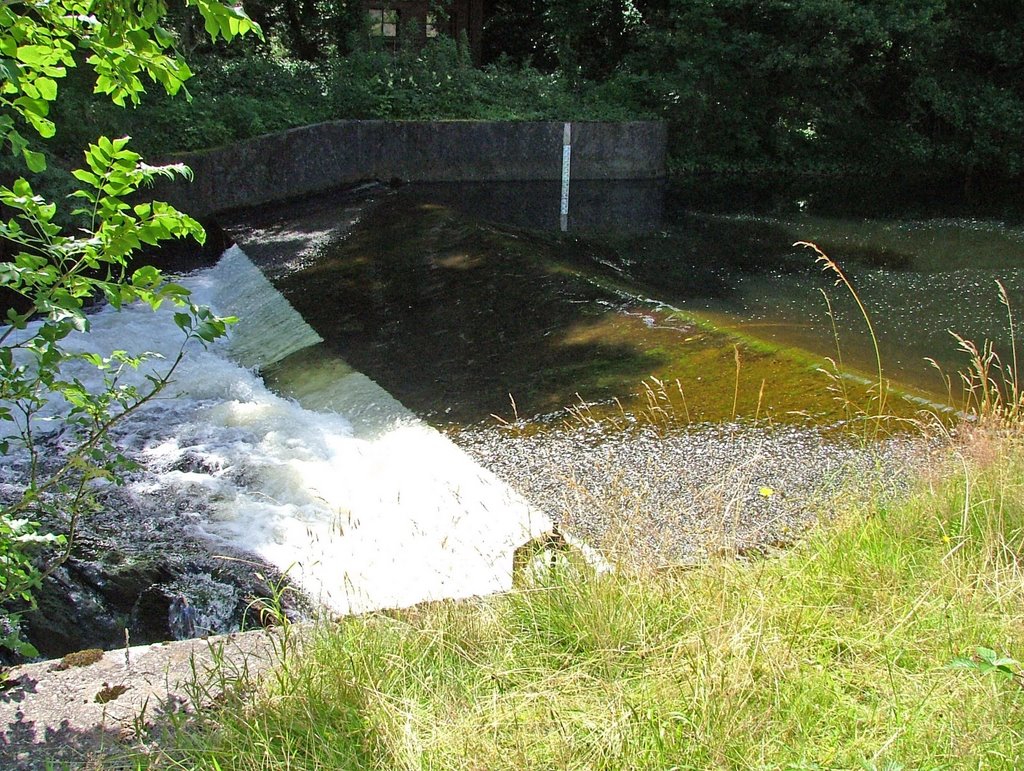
(79, 659)
(110, 692)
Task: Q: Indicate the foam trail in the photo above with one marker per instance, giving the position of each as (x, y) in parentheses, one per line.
(373, 512)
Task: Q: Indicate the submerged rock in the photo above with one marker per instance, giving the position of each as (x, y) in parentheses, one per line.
(129, 579)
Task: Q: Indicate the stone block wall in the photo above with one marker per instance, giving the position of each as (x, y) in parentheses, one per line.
(311, 159)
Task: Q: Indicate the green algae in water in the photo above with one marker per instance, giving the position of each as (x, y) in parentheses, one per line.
(457, 319)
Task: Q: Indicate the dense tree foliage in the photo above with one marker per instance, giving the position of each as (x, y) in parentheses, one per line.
(309, 29)
(924, 88)
(583, 40)
(866, 84)
(50, 273)
(922, 85)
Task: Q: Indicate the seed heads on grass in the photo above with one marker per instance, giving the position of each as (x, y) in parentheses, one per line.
(991, 387)
(880, 386)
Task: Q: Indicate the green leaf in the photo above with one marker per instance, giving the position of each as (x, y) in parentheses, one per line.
(985, 654)
(208, 331)
(986, 661)
(175, 290)
(10, 71)
(963, 662)
(146, 277)
(18, 142)
(22, 188)
(36, 162)
(86, 176)
(47, 88)
(37, 55)
(15, 319)
(30, 106)
(45, 127)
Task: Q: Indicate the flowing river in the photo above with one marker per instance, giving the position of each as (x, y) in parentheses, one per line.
(652, 381)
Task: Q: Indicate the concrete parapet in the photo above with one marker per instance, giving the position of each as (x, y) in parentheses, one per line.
(320, 157)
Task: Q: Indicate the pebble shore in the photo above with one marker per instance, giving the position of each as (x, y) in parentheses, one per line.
(712, 489)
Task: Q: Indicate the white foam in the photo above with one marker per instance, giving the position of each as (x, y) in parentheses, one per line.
(379, 511)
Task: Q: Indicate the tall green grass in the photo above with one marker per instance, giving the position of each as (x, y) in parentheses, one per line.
(835, 655)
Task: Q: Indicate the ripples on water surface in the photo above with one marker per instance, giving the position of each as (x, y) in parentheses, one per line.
(919, 281)
(458, 317)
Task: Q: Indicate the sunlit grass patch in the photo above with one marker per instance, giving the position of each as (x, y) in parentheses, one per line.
(836, 653)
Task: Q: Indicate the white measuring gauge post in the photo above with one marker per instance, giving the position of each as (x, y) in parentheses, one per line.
(566, 162)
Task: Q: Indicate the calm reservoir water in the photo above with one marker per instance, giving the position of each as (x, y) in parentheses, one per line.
(465, 302)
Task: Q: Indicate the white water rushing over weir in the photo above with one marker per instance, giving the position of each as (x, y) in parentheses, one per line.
(336, 483)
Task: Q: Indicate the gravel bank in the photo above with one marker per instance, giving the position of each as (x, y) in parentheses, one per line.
(708, 489)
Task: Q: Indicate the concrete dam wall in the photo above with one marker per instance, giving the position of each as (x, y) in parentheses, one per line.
(312, 159)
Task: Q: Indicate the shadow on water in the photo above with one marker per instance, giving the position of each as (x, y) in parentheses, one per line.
(451, 317)
(858, 197)
(456, 317)
(454, 297)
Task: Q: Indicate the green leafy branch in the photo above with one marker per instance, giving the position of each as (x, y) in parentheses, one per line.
(985, 661)
(124, 41)
(56, 276)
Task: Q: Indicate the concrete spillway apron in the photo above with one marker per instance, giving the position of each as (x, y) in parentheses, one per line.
(416, 518)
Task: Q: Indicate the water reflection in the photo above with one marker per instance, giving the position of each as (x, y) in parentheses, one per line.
(455, 297)
(632, 206)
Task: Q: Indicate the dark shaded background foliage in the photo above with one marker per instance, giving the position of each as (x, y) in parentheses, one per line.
(919, 88)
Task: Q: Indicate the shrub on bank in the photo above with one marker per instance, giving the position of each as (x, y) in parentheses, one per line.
(238, 98)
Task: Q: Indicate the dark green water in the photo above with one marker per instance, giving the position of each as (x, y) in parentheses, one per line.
(920, 280)
(462, 299)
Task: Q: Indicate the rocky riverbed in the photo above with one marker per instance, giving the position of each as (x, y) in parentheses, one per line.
(675, 497)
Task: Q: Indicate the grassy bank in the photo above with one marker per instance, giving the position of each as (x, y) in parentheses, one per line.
(835, 655)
